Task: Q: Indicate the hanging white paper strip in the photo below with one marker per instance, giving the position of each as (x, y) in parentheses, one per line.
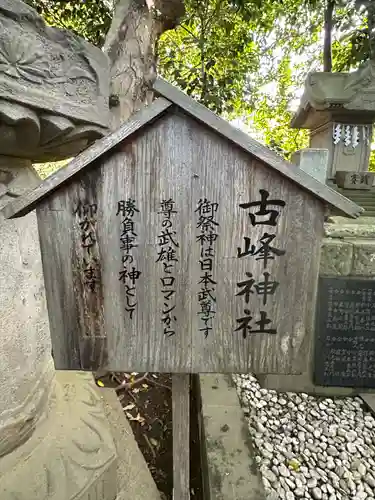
(348, 134)
(355, 137)
(336, 133)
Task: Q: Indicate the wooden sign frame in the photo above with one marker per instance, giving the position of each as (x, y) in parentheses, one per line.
(304, 199)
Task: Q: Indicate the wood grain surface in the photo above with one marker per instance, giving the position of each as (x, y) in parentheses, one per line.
(179, 158)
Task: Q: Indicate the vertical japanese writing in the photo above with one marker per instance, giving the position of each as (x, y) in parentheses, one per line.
(265, 252)
(345, 348)
(167, 256)
(86, 216)
(129, 273)
(208, 226)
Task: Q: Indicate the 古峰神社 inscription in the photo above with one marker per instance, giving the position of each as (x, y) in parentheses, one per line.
(129, 273)
(86, 214)
(262, 251)
(207, 226)
(167, 256)
(345, 333)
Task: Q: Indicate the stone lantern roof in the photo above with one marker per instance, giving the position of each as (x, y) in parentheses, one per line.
(337, 96)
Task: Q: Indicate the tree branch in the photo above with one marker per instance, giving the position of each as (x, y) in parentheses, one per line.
(190, 32)
(328, 24)
(131, 45)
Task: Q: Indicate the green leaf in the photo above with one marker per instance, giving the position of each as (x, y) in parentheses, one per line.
(243, 59)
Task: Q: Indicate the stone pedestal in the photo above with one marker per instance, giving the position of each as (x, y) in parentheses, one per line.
(348, 180)
(55, 435)
(70, 455)
(55, 438)
(348, 249)
(82, 448)
(25, 353)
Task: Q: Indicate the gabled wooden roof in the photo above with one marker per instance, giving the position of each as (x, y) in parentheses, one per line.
(170, 95)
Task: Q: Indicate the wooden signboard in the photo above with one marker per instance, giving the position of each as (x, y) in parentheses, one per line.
(180, 256)
(178, 244)
(345, 327)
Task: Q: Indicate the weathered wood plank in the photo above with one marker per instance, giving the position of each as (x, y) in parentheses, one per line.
(93, 352)
(257, 149)
(181, 436)
(82, 200)
(53, 220)
(288, 307)
(146, 173)
(72, 273)
(28, 202)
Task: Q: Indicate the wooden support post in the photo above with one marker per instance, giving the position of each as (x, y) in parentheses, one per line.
(181, 436)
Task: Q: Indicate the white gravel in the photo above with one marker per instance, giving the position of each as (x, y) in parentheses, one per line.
(309, 447)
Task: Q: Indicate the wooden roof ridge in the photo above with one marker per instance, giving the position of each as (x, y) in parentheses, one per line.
(168, 95)
(261, 152)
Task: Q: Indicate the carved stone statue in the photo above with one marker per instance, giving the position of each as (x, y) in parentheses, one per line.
(55, 439)
(54, 88)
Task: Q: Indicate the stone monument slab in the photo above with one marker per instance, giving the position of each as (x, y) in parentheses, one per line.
(312, 161)
(345, 326)
(351, 180)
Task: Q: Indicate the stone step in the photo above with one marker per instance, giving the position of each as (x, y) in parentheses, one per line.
(363, 200)
(357, 194)
(366, 202)
(360, 198)
(358, 191)
(370, 194)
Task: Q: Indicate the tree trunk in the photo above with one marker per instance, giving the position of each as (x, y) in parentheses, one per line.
(370, 7)
(131, 46)
(371, 29)
(328, 23)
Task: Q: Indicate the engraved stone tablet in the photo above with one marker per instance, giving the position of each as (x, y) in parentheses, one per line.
(345, 333)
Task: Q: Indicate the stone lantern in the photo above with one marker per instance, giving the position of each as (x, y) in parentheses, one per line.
(339, 111)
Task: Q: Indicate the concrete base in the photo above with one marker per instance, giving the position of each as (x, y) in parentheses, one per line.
(232, 472)
(369, 399)
(134, 479)
(72, 452)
